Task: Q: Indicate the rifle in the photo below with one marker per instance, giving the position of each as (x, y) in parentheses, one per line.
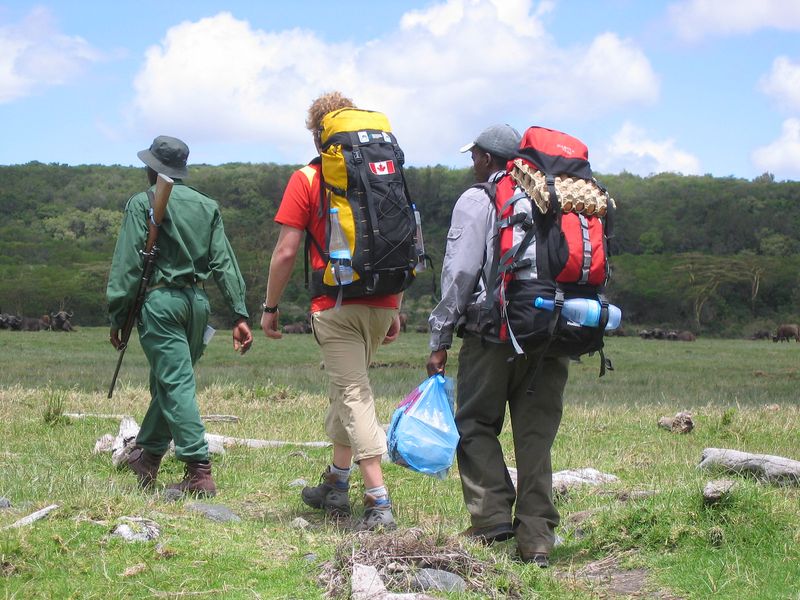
(158, 206)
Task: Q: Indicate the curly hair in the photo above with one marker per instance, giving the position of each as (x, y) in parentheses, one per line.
(323, 105)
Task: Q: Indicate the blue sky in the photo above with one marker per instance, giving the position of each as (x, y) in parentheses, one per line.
(689, 86)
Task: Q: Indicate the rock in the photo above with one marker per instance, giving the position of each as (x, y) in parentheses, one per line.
(310, 557)
(716, 490)
(171, 495)
(5, 503)
(299, 523)
(134, 570)
(136, 529)
(298, 483)
(680, 423)
(104, 444)
(366, 584)
(438, 580)
(215, 512)
(298, 454)
(563, 480)
(123, 442)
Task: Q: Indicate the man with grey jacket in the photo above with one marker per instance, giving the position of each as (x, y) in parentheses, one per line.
(491, 374)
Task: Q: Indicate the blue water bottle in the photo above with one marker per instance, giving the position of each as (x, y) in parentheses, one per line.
(583, 311)
(339, 252)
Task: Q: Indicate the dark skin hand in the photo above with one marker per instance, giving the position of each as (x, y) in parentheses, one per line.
(436, 362)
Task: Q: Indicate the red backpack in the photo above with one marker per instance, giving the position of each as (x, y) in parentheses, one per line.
(552, 230)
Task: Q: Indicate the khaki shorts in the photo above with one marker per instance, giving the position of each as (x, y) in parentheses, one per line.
(348, 338)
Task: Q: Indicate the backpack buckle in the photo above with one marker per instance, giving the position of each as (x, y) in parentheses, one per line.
(357, 155)
(399, 155)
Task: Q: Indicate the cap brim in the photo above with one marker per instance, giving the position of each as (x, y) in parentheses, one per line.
(151, 161)
(468, 147)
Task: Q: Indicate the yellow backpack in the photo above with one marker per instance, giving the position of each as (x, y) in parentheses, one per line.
(362, 177)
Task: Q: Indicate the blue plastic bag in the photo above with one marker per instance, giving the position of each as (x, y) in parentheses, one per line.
(422, 433)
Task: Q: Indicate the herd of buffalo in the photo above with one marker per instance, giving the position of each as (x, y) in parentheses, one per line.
(55, 321)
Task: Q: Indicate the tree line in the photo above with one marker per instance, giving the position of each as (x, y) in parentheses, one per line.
(719, 256)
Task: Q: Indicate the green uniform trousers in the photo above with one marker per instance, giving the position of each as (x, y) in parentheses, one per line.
(171, 328)
(489, 377)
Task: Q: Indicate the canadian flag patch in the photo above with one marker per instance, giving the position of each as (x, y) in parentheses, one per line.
(384, 167)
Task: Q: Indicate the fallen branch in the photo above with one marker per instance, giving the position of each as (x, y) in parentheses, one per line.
(220, 418)
(121, 445)
(774, 469)
(206, 418)
(39, 514)
(230, 442)
(94, 416)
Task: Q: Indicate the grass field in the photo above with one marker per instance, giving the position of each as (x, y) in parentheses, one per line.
(743, 395)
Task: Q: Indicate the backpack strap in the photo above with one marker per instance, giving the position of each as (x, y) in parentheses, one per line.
(320, 213)
(551, 330)
(372, 231)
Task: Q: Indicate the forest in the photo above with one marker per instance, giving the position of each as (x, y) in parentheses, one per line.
(717, 256)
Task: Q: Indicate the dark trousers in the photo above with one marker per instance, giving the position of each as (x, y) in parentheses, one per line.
(491, 376)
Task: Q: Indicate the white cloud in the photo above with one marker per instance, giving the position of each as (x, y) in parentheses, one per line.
(442, 75)
(782, 83)
(34, 55)
(781, 157)
(631, 150)
(696, 19)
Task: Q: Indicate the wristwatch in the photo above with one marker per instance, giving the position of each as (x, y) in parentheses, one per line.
(269, 309)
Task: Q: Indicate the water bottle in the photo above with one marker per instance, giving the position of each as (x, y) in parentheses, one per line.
(420, 247)
(583, 311)
(339, 252)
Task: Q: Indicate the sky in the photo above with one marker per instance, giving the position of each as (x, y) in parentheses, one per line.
(686, 86)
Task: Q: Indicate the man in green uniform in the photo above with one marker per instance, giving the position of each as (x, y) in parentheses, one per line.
(174, 318)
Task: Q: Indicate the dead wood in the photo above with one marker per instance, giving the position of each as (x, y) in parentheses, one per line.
(774, 469)
(31, 518)
(680, 423)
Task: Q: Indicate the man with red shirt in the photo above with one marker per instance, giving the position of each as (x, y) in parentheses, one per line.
(348, 336)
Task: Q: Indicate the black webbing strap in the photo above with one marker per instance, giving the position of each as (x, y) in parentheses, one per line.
(372, 230)
(551, 330)
(310, 239)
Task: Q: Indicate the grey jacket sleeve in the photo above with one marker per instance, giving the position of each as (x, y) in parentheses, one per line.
(465, 257)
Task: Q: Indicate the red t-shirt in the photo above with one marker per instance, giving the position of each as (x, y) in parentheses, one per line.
(300, 209)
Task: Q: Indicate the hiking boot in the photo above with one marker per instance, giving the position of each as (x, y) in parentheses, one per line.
(197, 480)
(331, 495)
(490, 534)
(376, 515)
(145, 465)
(540, 559)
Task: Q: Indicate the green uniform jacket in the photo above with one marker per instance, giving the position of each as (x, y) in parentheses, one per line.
(192, 246)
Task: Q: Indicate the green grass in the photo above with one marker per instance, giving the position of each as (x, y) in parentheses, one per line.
(747, 548)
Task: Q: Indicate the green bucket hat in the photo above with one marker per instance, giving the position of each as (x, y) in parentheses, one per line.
(166, 155)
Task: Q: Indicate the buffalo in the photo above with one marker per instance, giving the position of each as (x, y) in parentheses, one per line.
(686, 336)
(299, 327)
(403, 321)
(761, 334)
(786, 332)
(31, 324)
(12, 322)
(60, 321)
